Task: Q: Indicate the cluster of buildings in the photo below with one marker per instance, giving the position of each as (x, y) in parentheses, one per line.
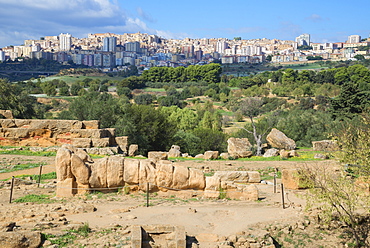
(108, 50)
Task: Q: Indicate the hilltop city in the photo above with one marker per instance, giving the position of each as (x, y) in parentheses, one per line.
(113, 51)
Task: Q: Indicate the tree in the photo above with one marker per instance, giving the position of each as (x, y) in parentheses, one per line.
(251, 107)
(143, 99)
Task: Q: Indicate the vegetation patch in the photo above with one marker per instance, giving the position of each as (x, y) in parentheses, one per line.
(41, 199)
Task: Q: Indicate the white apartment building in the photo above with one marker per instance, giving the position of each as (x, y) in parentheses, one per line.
(65, 42)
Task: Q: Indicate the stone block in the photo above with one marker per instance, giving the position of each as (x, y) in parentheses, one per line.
(136, 236)
(115, 171)
(197, 180)
(102, 142)
(254, 177)
(211, 155)
(295, 179)
(94, 124)
(81, 142)
(325, 145)
(132, 150)
(131, 171)
(156, 156)
(66, 188)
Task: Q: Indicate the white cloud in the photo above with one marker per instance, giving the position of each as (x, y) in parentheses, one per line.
(145, 15)
(315, 18)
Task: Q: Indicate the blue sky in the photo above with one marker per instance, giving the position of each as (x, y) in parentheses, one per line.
(325, 20)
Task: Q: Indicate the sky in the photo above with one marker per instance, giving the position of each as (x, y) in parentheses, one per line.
(324, 20)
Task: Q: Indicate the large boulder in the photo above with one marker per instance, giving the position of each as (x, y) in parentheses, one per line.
(273, 152)
(325, 145)
(211, 155)
(239, 147)
(278, 139)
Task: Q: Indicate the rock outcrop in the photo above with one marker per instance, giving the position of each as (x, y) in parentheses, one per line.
(278, 139)
(325, 145)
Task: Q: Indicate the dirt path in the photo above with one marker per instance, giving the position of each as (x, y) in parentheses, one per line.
(21, 159)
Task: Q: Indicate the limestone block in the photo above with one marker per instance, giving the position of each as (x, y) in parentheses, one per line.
(147, 174)
(102, 142)
(76, 125)
(325, 145)
(105, 151)
(180, 177)
(132, 150)
(284, 154)
(7, 114)
(80, 171)
(122, 142)
(7, 123)
(98, 178)
(115, 168)
(225, 155)
(273, 152)
(278, 139)
(94, 124)
(131, 171)
(234, 176)
(16, 132)
(250, 193)
(83, 155)
(238, 147)
(164, 170)
(66, 188)
(197, 179)
(20, 239)
(22, 122)
(156, 156)
(82, 189)
(211, 155)
(254, 177)
(200, 156)
(213, 183)
(88, 133)
(81, 142)
(294, 179)
(63, 164)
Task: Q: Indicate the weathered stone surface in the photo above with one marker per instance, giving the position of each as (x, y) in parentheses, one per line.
(66, 188)
(80, 170)
(83, 155)
(164, 174)
(94, 124)
(131, 171)
(7, 123)
(244, 193)
(239, 147)
(273, 152)
(174, 152)
(98, 178)
(115, 171)
(122, 142)
(102, 142)
(254, 177)
(325, 145)
(132, 150)
(20, 239)
(294, 179)
(234, 176)
(63, 164)
(200, 156)
(147, 174)
(213, 183)
(284, 154)
(196, 179)
(180, 177)
(211, 155)
(82, 142)
(156, 156)
(278, 139)
(7, 114)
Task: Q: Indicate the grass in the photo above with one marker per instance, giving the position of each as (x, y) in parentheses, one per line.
(25, 151)
(267, 174)
(154, 90)
(68, 238)
(47, 176)
(20, 167)
(40, 199)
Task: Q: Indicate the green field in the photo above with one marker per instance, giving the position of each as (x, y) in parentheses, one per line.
(76, 78)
